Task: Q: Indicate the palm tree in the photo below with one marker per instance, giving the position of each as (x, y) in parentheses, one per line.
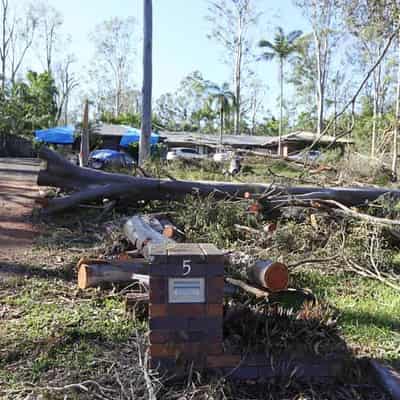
(225, 100)
(282, 47)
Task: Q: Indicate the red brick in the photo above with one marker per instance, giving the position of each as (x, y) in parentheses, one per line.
(215, 310)
(160, 337)
(158, 310)
(158, 290)
(215, 348)
(181, 350)
(186, 310)
(163, 350)
(221, 361)
(215, 290)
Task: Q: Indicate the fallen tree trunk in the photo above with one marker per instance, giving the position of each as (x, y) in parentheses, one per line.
(140, 233)
(91, 275)
(96, 185)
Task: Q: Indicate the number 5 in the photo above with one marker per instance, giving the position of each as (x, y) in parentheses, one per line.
(186, 267)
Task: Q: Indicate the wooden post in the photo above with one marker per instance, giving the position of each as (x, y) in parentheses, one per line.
(85, 146)
(145, 137)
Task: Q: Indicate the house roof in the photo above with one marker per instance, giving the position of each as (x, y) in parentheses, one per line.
(111, 129)
(247, 140)
(227, 140)
(214, 140)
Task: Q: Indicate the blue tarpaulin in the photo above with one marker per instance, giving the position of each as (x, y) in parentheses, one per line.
(132, 135)
(58, 135)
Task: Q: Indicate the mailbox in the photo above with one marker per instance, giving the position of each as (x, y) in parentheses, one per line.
(186, 304)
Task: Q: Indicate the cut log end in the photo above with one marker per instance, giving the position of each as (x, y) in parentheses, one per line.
(276, 277)
(83, 276)
(169, 231)
(271, 275)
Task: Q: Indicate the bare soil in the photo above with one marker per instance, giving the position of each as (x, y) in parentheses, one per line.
(18, 191)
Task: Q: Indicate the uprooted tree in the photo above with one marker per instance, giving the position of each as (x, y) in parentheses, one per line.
(87, 185)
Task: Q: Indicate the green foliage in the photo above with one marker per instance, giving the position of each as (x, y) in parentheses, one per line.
(131, 119)
(29, 105)
(214, 221)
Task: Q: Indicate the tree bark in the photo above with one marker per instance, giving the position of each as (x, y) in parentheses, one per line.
(281, 107)
(139, 232)
(90, 275)
(145, 137)
(396, 121)
(238, 73)
(85, 146)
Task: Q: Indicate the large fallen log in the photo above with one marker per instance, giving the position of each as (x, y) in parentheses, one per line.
(97, 273)
(91, 185)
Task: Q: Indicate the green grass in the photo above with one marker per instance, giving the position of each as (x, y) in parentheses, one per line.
(57, 329)
(369, 314)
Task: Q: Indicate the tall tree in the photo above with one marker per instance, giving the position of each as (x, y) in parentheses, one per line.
(322, 15)
(85, 145)
(370, 23)
(67, 81)
(115, 46)
(231, 22)
(145, 137)
(49, 26)
(281, 48)
(24, 33)
(225, 100)
(7, 29)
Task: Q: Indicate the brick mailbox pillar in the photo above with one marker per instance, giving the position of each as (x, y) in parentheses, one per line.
(186, 304)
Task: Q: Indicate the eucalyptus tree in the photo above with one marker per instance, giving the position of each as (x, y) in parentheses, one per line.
(323, 17)
(370, 23)
(49, 25)
(225, 100)
(232, 21)
(280, 48)
(115, 50)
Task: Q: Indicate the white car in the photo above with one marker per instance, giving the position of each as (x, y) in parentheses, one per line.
(223, 156)
(183, 153)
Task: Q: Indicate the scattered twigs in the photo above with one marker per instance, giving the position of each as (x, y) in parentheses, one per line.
(313, 261)
(368, 218)
(367, 273)
(144, 362)
(250, 289)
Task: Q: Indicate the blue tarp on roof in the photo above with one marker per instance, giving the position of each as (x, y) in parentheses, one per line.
(132, 135)
(58, 135)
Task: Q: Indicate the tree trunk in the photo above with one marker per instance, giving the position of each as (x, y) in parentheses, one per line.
(270, 275)
(4, 44)
(238, 73)
(221, 132)
(84, 154)
(140, 233)
(320, 85)
(96, 185)
(396, 121)
(145, 137)
(377, 85)
(99, 272)
(281, 107)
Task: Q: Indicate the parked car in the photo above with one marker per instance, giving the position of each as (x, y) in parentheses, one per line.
(184, 153)
(311, 155)
(99, 159)
(222, 156)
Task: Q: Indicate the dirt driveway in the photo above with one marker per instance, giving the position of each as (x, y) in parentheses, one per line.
(17, 195)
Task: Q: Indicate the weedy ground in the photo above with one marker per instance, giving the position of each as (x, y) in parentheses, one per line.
(53, 335)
